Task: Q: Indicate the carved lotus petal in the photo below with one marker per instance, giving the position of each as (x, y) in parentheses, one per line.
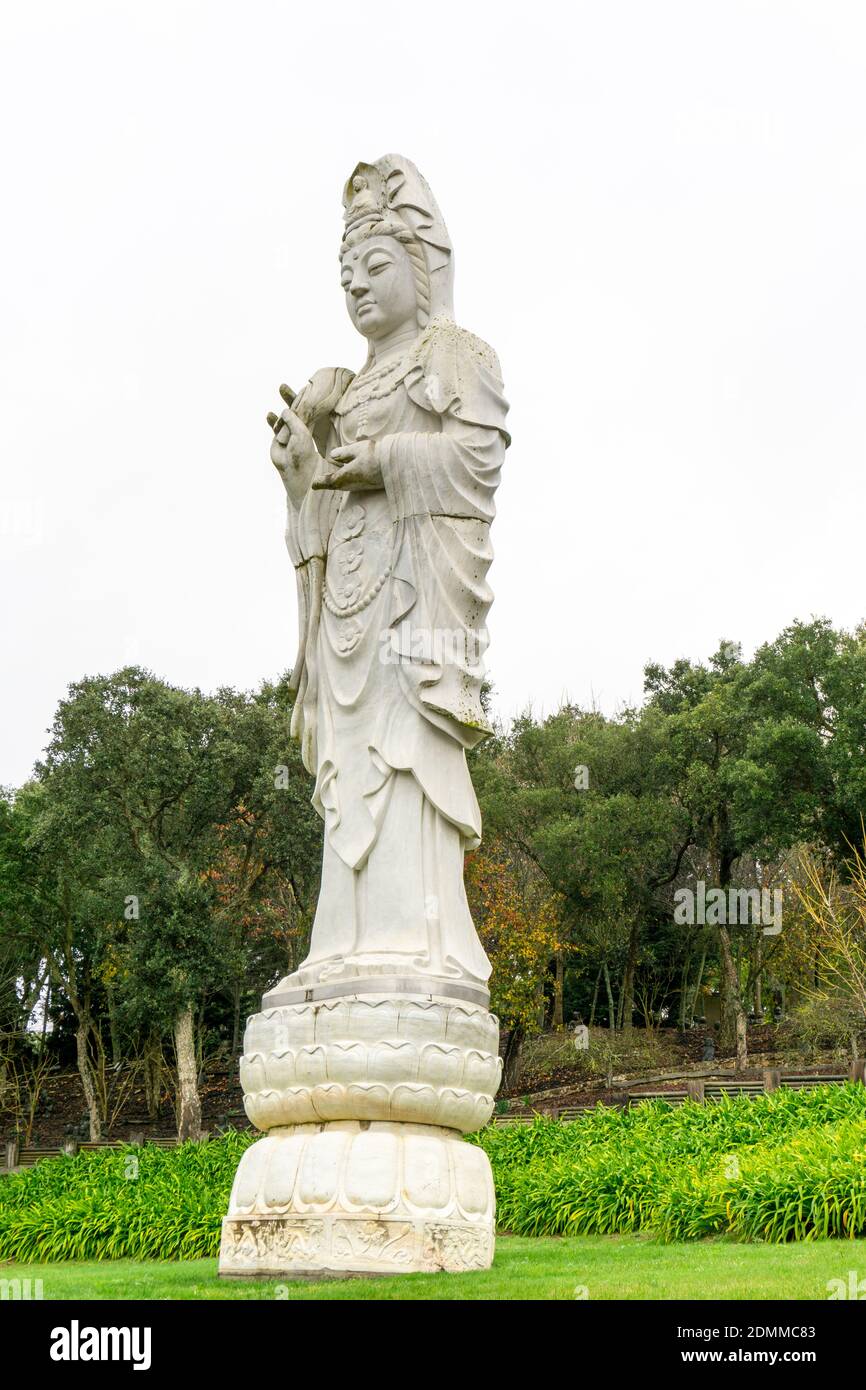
(472, 1180)
(249, 1176)
(267, 1109)
(483, 1112)
(372, 1174)
(369, 1101)
(481, 1072)
(254, 1076)
(321, 1166)
(333, 1021)
(467, 1027)
(391, 1062)
(295, 1024)
(372, 1021)
(348, 1062)
(460, 1109)
(423, 1022)
(258, 1034)
(280, 1177)
(296, 1107)
(281, 1071)
(415, 1104)
(311, 1065)
(427, 1175)
(441, 1065)
(331, 1101)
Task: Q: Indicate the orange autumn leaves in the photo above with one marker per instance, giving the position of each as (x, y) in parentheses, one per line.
(518, 920)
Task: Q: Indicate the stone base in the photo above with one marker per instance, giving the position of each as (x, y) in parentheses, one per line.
(411, 1059)
(359, 1197)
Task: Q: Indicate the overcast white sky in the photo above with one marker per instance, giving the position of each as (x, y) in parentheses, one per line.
(659, 214)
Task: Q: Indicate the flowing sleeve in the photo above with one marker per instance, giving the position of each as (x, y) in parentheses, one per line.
(452, 471)
(308, 527)
(441, 484)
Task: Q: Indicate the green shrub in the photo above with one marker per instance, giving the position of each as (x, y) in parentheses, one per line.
(788, 1165)
(133, 1203)
(549, 1057)
(834, 1025)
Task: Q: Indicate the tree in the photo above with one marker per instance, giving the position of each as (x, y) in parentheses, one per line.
(518, 923)
(156, 773)
(52, 917)
(606, 841)
(745, 766)
(836, 910)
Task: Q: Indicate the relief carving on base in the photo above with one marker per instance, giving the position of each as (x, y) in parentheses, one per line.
(393, 1241)
(271, 1243)
(276, 1245)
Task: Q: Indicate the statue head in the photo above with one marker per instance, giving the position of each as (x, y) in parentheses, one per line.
(396, 257)
(380, 282)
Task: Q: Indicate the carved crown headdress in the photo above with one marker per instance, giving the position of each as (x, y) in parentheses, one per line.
(391, 198)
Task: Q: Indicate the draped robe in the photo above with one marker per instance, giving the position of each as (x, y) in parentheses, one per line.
(393, 601)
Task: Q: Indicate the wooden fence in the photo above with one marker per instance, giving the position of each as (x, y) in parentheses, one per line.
(700, 1089)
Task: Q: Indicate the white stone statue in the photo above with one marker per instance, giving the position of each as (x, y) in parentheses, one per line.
(382, 1039)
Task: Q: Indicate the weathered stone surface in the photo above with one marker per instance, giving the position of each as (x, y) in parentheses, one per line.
(357, 1197)
(376, 1059)
(368, 1062)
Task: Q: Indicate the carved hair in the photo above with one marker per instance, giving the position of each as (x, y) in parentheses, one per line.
(389, 226)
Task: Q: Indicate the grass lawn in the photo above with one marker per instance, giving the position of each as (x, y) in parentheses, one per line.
(608, 1267)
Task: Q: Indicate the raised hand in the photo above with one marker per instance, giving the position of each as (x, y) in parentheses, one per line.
(293, 450)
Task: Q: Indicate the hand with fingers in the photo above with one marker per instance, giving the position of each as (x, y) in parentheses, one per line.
(293, 450)
(351, 467)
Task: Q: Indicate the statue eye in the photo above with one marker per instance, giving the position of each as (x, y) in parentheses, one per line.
(376, 267)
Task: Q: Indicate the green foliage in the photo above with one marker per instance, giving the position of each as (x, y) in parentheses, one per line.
(134, 1203)
(832, 1024)
(787, 1166)
(525, 1269)
(551, 1058)
(790, 1165)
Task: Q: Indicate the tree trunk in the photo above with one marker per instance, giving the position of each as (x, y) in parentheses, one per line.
(757, 1000)
(736, 1013)
(627, 1002)
(699, 980)
(88, 1085)
(188, 1101)
(594, 999)
(236, 1019)
(611, 1011)
(152, 1062)
(742, 1039)
(511, 1060)
(684, 990)
(559, 990)
(113, 1030)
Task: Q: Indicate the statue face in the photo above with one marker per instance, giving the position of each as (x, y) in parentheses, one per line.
(379, 285)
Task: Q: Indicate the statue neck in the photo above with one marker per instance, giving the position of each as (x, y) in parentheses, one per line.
(392, 343)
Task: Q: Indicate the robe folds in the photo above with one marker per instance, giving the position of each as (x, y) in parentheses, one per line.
(393, 602)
